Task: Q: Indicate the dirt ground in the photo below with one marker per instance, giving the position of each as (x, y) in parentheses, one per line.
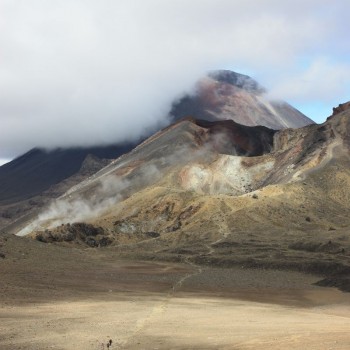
(58, 298)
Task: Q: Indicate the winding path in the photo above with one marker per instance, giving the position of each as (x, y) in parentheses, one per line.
(160, 308)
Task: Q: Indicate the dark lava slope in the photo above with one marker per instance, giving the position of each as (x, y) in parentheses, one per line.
(37, 170)
(229, 137)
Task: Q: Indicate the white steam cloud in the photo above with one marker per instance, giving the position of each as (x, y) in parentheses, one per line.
(88, 72)
(79, 209)
(111, 190)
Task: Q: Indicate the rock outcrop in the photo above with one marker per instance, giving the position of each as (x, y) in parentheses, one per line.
(341, 108)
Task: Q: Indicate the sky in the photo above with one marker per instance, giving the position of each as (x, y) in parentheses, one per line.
(88, 72)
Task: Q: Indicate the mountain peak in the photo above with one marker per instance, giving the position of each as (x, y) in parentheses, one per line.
(236, 79)
(225, 95)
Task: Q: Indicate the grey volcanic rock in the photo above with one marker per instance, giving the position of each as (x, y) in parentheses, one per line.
(225, 95)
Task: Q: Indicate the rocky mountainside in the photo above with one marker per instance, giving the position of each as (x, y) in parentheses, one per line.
(228, 95)
(214, 158)
(218, 193)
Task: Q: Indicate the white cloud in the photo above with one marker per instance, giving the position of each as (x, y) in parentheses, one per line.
(82, 72)
(321, 80)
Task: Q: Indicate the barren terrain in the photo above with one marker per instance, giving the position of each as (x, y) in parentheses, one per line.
(58, 298)
(208, 235)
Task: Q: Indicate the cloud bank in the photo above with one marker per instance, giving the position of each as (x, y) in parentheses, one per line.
(87, 72)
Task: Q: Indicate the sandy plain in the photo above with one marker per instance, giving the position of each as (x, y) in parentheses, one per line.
(58, 298)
